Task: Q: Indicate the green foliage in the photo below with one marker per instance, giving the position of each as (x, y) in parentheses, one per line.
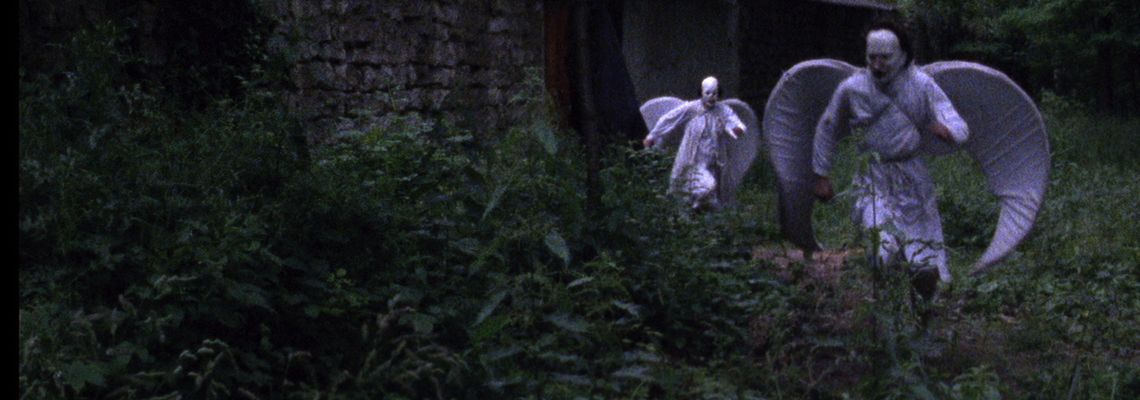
(177, 254)
(1066, 301)
(205, 254)
(1084, 49)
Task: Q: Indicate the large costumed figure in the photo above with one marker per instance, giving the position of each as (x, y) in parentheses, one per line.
(905, 113)
(718, 139)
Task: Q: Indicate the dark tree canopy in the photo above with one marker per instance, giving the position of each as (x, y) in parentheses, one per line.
(1086, 49)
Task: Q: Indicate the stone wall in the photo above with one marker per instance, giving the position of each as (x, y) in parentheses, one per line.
(356, 64)
(352, 63)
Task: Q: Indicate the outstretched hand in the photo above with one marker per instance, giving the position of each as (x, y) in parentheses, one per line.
(941, 131)
(822, 189)
(648, 142)
(737, 132)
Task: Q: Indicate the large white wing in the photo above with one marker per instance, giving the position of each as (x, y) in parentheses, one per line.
(654, 109)
(741, 152)
(790, 117)
(1007, 139)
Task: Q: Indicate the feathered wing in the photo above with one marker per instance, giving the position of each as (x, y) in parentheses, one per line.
(741, 152)
(790, 117)
(654, 109)
(1008, 141)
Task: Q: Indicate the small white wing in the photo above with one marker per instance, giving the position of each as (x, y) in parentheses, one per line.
(741, 151)
(654, 109)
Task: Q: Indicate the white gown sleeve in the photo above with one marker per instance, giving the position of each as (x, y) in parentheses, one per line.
(943, 111)
(831, 128)
(732, 121)
(669, 123)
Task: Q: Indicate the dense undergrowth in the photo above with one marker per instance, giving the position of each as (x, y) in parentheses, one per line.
(167, 253)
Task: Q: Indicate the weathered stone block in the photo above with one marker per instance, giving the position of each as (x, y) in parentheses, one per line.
(396, 50)
(361, 8)
(316, 75)
(278, 10)
(303, 9)
(436, 98)
(371, 57)
(360, 30)
(498, 43)
(490, 78)
(365, 105)
(308, 50)
(500, 24)
(508, 6)
(439, 52)
(433, 31)
(341, 7)
(393, 76)
(521, 57)
(405, 100)
(325, 102)
(437, 76)
(415, 98)
(494, 96)
(359, 77)
(332, 51)
(341, 74)
(478, 56)
(447, 13)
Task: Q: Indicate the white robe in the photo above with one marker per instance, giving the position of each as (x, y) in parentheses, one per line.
(896, 195)
(701, 156)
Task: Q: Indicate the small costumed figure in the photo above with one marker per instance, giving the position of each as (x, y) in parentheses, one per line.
(718, 141)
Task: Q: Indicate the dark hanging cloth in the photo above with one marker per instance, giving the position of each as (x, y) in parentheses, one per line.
(611, 89)
(617, 106)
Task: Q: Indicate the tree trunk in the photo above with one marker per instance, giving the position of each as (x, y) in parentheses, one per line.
(587, 115)
(558, 34)
(1105, 60)
(1134, 84)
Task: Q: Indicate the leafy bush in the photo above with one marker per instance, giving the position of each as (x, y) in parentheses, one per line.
(206, 254)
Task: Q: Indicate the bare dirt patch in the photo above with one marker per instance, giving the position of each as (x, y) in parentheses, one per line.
(824, 266)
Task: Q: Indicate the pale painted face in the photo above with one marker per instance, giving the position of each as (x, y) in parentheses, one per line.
(710, 92)
(884, 55)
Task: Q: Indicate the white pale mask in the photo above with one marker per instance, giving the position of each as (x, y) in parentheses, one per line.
(710, 91)
(885, 57)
